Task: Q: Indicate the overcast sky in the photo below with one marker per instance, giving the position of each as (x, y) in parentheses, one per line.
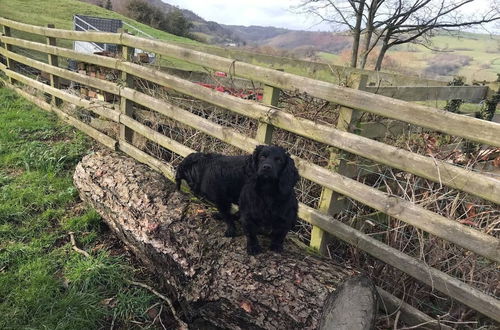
(250, 12)
(276, 13)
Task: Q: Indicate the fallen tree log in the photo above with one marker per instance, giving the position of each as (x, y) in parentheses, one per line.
(210, 276)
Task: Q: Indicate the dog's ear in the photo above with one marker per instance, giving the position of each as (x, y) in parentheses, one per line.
(254, 161)
(288, 177)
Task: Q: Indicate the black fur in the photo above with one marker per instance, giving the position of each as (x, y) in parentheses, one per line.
(217, 178)
(268, 199)
(262, 183)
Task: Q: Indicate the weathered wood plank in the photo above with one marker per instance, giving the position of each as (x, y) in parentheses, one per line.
(156, 137)
(469, 93)
(74, 76)
(126, 106)
(406, 211)
(53, 60)
(166, 169)
(96, 107)
(105, 61)
(265, 131)
(447, 174)
(396, 207)
(89, 130)
(6, 32)
(105, 37)
(440, 281)
(409, 314)
(329, 201)
(477, 130)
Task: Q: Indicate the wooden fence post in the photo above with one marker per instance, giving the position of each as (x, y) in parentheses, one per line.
(126, 106)
(270, 96)
(53, 60)
(331, 202)
(10, 66)
(265, 131)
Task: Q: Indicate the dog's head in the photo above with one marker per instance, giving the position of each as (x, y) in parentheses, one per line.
(274, 163)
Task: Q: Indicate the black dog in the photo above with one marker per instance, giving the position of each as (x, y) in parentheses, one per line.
(267, 178)
(268, 199)
(217, 178)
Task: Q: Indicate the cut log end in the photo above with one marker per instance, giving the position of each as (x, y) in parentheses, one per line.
(211, 276)
(352, 306)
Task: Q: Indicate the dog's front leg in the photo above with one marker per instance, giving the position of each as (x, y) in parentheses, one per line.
(250, 228)
(278, 235)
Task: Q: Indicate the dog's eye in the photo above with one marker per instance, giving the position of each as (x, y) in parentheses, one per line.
(262, 157)
(279, 160)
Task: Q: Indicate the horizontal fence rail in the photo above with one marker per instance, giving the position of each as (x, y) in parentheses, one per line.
(419, 115)
(469, 93)
(471, 182)
(480, 185)
(446, 122)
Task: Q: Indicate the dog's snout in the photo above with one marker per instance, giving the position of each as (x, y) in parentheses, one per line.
(266, 167)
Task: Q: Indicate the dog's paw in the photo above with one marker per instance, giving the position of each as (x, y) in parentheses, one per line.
(276, 248)
(253, 249)
(230, 232)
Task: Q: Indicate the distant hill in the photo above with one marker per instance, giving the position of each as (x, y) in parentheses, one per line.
(475, 56)
(220, 34)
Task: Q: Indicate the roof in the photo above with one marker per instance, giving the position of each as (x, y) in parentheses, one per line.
(88, 23)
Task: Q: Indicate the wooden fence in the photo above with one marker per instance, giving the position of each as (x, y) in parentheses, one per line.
(353, 101)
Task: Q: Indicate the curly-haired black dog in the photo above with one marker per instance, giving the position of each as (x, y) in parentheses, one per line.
(267, 199)
(265, 180)
(217, 178)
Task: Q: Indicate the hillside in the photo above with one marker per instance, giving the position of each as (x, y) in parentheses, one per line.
(471, 55)
(60, 13)
(208, 31)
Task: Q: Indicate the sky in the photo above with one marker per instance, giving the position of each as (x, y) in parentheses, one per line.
(278, 13)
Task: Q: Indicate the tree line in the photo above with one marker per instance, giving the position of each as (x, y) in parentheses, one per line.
(378, 25)
(172, 22)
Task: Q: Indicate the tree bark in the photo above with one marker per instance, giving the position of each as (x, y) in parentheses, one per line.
(381, 54)
(368, 34)
(357, 34)
(210, 276)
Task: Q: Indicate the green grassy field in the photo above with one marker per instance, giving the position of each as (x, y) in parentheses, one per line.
(61, 12)
(484, 51)
(44, 283)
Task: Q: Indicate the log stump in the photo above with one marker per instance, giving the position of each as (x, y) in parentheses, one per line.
(210, 276)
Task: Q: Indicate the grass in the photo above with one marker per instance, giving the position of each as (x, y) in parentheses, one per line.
(61, 12)
(44, 283)
(482, 48)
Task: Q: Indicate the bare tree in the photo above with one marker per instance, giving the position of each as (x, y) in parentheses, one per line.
(382, 24)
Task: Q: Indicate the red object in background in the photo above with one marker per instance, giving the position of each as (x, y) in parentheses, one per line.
(241, 93)
(220, 74)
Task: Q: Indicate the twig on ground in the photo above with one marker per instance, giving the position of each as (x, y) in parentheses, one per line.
(113, 321)
(396, 320)
(183, 325)
(76, 248)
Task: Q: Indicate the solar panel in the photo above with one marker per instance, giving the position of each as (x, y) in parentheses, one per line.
(90, 23)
